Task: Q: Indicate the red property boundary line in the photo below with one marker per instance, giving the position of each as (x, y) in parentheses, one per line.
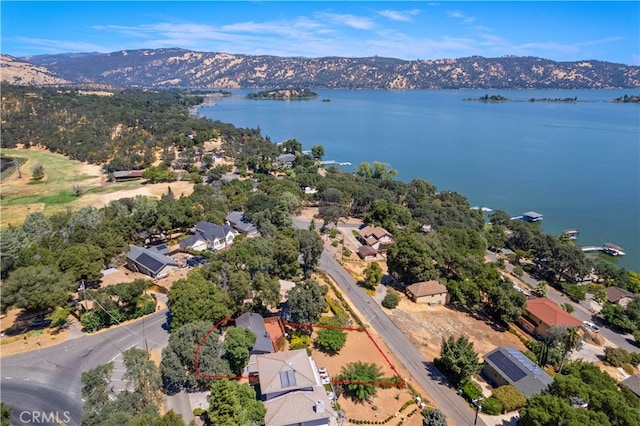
(400, 384)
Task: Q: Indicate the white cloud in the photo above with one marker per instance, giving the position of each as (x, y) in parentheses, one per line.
(61, 46)
(357, 22)
(459, 15)
(398, 15)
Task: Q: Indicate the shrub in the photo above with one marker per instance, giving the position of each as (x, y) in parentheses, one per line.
(491, 406)
(299, 340)
(406, 404)
(198, 411)
(391, 300)
(331, 340)
(333, 233)
(510, 397)
(91, 321)
(335, 243)
(629, 369)
(470, 390)
(636, 337)
(615, 357)
(346, 252)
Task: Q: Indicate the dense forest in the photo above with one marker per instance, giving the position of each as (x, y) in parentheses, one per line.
(437, 234)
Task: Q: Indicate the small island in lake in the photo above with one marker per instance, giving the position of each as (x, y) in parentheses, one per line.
(283, 95)
(487, 98)
(326, 100)
(627, 99)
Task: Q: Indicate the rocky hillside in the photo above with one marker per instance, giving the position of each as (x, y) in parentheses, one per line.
(184, 68)
(23, 73)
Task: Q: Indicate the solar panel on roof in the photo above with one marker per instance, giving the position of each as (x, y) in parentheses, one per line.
(507, 366)
(161, 247)
(149, 262)
(287, 378)
(526, 362)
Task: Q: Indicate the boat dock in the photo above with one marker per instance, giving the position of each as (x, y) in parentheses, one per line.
(607, 248)
(529, 217)
(334, 162)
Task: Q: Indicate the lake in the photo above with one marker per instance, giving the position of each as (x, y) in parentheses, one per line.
(576, 163)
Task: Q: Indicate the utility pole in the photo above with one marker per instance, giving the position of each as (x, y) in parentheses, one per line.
(478, 407)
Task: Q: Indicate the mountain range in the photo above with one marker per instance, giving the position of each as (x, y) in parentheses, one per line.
(166, 68)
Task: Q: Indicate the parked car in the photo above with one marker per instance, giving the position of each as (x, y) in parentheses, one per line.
(37, 323)
(193, 262)
(591, 326)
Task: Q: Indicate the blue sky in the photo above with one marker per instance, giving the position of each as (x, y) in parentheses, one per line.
(562, 31)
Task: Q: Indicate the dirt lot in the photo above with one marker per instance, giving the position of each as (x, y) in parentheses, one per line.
(426, 325)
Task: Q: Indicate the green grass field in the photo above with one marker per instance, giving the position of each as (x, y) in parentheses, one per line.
(21, 196)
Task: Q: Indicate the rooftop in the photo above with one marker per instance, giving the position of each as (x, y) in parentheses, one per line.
(614, 294)
(255, 323)
(550, 313)
(426, 288)
(286, 371)
(299, 407)
(518, 370)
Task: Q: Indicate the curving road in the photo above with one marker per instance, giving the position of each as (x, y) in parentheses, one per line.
(44, 385)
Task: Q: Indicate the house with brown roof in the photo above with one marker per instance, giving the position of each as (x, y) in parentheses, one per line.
(292, 390)
(431, 292)
(367, 252)
(376, 237)
(541, 314)
(619, 296)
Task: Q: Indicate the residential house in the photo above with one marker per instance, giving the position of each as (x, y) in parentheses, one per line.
(240, 223)
(632, 383)
(292, 390)
(541, 314)
(285, 160)
(209, 235)
(150, 261)
(255, 322)
(431, 292)
(619, 296)
(376, 237)
(367, 252)
(123, 175)
(509, 366)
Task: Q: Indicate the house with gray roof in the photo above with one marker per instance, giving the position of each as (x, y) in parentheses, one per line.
(509, 366)
(209, 235)
(240, 223)
(619, 296)
(285, 159)
(150, 261)
(632, 383)
(255, 323)
(292, 390)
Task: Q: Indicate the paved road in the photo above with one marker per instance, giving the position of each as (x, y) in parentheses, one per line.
(622, 340)
(40, 382)
(424, 373)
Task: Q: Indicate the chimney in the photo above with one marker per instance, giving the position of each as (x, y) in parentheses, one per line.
(319, 406)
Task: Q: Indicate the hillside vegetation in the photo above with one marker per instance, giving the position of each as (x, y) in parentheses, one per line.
(185, 68)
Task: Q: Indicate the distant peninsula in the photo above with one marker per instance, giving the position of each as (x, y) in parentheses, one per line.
(283, 95)
(500, 98)
(635, 99)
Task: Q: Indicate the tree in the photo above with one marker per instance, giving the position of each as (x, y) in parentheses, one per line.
(285, 254)
(177, 366)
(194, 298)
(458, 359)
(372, 275)
(361, 379)
(571, 341)
(143, 375)
(37, 171)
(237, 342)
(409, 258)
(306, 302)
(310, 247)
(36, 288)
(96, 387)
(317, 151)
(234, 404)
(391, 299)
(5, 414)
(331, 340)
(434, 417)
(82, 261)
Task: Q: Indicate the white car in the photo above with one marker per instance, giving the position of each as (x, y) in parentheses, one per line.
(591, 326)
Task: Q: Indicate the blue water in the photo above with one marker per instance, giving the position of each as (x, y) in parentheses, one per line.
(576, 163)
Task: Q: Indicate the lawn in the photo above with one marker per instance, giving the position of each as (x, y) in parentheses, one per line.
(54, 193)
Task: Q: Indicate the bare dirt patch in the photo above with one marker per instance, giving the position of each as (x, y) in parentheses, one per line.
(426, 326)
(12, 343)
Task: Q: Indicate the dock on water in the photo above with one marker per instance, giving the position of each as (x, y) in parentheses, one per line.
(529, 217)
(607, 248)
